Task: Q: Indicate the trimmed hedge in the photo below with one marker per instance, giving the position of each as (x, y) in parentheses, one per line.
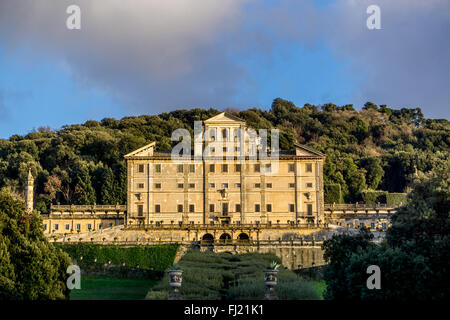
(333, 193)
(395, 198)
(374, 196)
(224, 276)
(157, 257)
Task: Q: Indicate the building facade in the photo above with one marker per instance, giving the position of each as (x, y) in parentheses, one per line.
(232, 182)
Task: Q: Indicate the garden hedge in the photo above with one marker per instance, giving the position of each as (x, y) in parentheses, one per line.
(158, 258)
(333, 193)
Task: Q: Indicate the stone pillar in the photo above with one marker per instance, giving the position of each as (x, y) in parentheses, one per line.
(29, 192)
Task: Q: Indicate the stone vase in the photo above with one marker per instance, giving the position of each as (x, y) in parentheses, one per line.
(175, 279)
(270, 278)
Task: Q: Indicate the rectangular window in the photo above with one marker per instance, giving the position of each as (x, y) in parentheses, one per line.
(212, 185)
(180, 185)
(140, 208)
(45, 226)
(269, 208)
(211, 168)
(224, 168)
(268, 167)
(291, 207)
(257, 207)
(140, 186)
(291, 167)
(157, 208)
(309, 167)
(180, 168)
(78, 226)
(372, 225)
(141, 168)
(224, 149)
(269, 185)
(309, 209)
(309, 185)
(225, 185)
(212, 149)
(211, 208)
(224, 209)
(158, 168)
(157, 185)
(180, 208)
(192, 168)
(237, 149)
(89, 226)
(56, 226)
(238, 207)
(192, 185)
(291, 185)
(257, 168)
(237, 185)
(67, 226)
(237, 168)
(257, 185)
(191, 208)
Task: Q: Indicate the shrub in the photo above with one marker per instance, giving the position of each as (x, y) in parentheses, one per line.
(211, 276)
(287, 289)
(332, 193)
(373, 196)
(395, 198)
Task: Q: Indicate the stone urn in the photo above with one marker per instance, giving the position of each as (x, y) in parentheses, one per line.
(270, 278)
(175, 279)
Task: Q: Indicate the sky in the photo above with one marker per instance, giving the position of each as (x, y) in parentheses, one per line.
(152, 56)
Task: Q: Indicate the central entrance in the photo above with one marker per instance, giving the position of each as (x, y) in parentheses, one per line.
(225, 209)
(224, 217)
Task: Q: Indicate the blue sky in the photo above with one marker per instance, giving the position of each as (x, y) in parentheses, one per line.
(148, 57)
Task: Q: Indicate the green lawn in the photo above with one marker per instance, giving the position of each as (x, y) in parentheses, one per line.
(108, 288)
(320, 286)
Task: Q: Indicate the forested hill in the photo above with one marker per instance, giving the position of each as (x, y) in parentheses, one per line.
(375, 148)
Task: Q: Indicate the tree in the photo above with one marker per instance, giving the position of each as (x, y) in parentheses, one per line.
(81, 179)
(414, 258)
(337, 252)
(30, 267)
(374, 170)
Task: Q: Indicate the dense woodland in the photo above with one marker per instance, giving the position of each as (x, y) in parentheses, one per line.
(376, 148)
(413, 258)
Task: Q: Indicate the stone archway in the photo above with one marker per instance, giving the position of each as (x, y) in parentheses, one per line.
(243, 237)
(225, 237)
(208, 237)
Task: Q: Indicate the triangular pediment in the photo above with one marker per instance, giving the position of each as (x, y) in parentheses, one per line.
(145, 151)
(224, 117)
(301, 150)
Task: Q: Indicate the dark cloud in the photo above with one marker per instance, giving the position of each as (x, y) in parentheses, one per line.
(155, 55)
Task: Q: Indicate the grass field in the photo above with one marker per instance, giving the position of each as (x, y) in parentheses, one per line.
(320, 287)
(108, 288)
